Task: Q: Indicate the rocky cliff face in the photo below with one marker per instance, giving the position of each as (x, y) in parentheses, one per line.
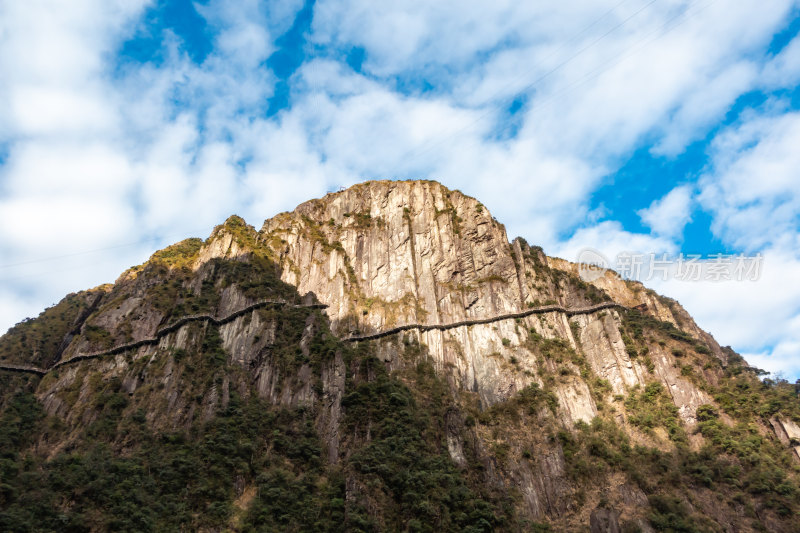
(627, 416)
(388, 253)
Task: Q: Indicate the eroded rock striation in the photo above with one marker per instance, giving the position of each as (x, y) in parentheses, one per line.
(408, 358)
(387, 253)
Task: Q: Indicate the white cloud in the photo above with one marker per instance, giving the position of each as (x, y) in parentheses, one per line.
(703, 105)
(668, 216)
(610, 240)
(753, 188)
(92, 169)
(782, 360)
(784, 69)
(401, 36)
(43, 110)
(63, 223)
(603, 74)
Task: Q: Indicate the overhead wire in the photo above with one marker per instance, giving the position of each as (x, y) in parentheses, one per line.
(98, 250)
(416, 153)
(637, 47)
(651, 37)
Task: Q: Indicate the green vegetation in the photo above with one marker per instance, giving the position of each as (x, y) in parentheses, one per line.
(530, 400)
(98, 337)
(730, 463)
(257, 278)
(494, 278)
(410, 477)
(172, 481)
(575, 328)
(123, 474)
(595, 450)
(567, 282)
(701, 349)
(636, 323)
(455, 219)
(286, 353)
(755, 464)
(179, 255)
(590, 292)
(670, 513)
(573, 283)
(634, 326)
(652, 407)
(244, 234)
(314, 232)
(365, 220)
(37, 341)
(748, 399)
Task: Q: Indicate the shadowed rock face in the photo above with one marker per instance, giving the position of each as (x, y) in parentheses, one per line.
(604, 521)
(387, 253)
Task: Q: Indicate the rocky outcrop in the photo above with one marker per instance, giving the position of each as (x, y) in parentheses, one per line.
(788, 433)
(604, 521)
(388, 257)
(390, 253)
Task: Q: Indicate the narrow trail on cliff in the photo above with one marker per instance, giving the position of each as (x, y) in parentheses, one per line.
(217, 321)
(476, 321)
(166, 330)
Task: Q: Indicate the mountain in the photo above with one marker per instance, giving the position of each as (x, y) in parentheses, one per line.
(384, 359)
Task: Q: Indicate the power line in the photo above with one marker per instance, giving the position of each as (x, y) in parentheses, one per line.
(83, 266)
(662, 30)
(97, 250)
(647, 40)
(528, 87)
(553, 54)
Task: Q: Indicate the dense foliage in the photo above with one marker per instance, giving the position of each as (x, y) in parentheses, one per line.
(170, 481)
(122, 475)
(126, 460)
(409, 472)
(39, 341)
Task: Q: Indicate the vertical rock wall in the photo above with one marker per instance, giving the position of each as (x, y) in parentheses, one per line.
(387, 253)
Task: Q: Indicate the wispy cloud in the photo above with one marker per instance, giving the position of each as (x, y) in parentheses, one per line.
(668, 216)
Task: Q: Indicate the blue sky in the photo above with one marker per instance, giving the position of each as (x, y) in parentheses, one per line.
(666, 126)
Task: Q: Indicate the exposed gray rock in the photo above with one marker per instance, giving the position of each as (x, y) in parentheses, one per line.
(388, 253)
(604, 521)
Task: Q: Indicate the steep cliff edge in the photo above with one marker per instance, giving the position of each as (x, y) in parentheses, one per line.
(234, 351)
(386, 253)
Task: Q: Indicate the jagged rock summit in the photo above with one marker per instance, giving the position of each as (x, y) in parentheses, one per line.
(386, 253)
(506, 394)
